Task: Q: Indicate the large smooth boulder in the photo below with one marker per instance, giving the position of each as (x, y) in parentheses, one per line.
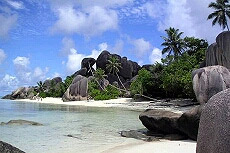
(102, 60)
(218, 53)
(214, 131)
(47, 83)
(126, 70)
(78, 90)
(208, 81)
(86, 62)
(189, 122)
(82, 72)
(160, 120)
(7, 148)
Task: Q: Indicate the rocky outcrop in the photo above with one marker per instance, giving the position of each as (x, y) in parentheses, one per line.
(219, 53)
(48, 83)
(126, 68)
(7, 148)
(160, 120)
(21, 122)
(78, 90)
(102, 60)
(208, 81)
(129, 68)
(86, 62)
(188, 123)
(21, 93)
(214, 131)
(82, 72)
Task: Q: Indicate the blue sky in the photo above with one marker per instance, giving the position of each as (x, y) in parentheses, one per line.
(41, 39)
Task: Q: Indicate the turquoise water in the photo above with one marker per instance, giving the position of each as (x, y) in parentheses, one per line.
(94, 128)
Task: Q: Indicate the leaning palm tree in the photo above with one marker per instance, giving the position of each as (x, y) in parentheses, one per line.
(173, 42)
(40, 86)
(99, 74)
(221, 13)
(113, 67)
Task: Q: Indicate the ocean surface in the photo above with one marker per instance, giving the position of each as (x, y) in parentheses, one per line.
(94, 129)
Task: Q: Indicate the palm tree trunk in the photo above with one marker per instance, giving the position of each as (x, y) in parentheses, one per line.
(94, 76)
(227, 27)
(121, 82)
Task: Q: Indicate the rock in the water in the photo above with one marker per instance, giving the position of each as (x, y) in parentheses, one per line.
(214, 131)
(189, 122)
(138, 134)
(208, 81)
(145, 135)
(160, 120)
(21, 122)
(78, 90)
(7, 148)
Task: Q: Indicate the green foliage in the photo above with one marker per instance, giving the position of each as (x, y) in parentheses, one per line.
(114, 65)
(110, 93)
(176, 77)
(68, 81)
(143, 83)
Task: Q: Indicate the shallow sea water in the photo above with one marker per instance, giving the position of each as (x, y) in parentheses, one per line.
(95, 129)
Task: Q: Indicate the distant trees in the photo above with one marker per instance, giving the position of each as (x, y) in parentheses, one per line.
(221, 13)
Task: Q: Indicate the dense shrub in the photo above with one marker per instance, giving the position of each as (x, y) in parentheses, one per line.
(110, 92)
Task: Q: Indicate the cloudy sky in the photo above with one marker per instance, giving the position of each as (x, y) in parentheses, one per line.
(41, 39)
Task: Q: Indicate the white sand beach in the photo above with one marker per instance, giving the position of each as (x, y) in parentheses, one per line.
(91, 103)
(163, 146)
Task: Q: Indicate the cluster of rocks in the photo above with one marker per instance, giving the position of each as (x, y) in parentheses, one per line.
(209, 122)
(167, 122)
(31, 92)
(78, 90)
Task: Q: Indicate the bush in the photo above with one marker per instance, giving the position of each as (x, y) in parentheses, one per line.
(110, 91)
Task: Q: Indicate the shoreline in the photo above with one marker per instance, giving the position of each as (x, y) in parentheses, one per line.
(130, 145)
(126, 103)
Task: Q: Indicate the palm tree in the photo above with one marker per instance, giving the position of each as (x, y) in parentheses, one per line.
(113, 67)
(173, 42)
(99, 74)
(40, 86)
(222, 11)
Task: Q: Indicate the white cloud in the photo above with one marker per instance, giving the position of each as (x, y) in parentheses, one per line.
(189, 16)
(56, 74)
(25, 74)
(88, 22)
(141, 46)
(155, 56)
(67, 43)
(73, 63)
(16, 4)
(21, 62)
(40, 74)
(7, 23)
(2, 56)
(8, 83)
(118, 47)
